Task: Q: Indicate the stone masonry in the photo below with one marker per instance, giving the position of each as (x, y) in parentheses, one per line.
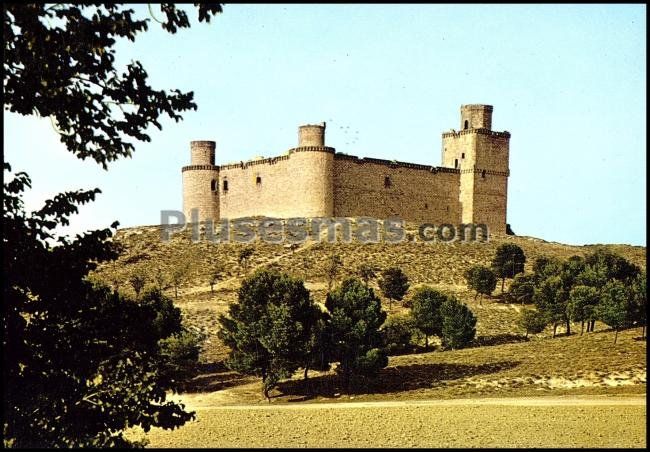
(313, 180)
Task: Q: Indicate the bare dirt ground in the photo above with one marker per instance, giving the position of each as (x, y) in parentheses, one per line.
(588, 421)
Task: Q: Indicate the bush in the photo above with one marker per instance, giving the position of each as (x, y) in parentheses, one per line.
(397, 332)
(458, 324)
(180, 355)
(532, 321)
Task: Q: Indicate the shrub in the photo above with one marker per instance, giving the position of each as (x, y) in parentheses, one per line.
(532, 321)
(397, 332)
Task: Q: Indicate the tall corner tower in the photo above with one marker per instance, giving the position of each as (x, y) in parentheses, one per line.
(201, 182)
(482, 157)
(312, 164)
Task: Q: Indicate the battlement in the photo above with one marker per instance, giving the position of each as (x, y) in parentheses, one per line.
(458, 133)
(246, 164)
(199, 167)
(485, 171)
(312, 149)
(395, 164)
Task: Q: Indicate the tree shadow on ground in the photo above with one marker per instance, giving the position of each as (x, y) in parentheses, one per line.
(499, 339)
(389, 380)
(215, 377)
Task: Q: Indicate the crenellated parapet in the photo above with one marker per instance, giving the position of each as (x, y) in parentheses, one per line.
(199, 167)
(249, 163)
(485, 171)
(395, 163)
(312, 149)
(492, 133)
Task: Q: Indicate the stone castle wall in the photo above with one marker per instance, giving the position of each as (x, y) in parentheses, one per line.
(312, 180)
(383, 189)
(295, 185)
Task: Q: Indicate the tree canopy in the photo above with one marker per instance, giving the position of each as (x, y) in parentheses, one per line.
(393, 284)
(271, 327)
(356, 317)
(425, 311)
(508, 261)
(59, 63)
(81, 363)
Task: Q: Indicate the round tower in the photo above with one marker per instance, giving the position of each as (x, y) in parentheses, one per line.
(311, 135)
(475, 116)
(201, 182)
(202, 152)
(312, 166)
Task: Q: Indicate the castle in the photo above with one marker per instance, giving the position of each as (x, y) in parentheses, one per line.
(313, 180)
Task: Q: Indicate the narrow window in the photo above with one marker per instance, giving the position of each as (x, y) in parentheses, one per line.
(258, 181)
(483, 174)
(387, 182)
(426, 206)
(455, 163)
(213, 185)
(462, 156)
(225, 185)
(466, 124)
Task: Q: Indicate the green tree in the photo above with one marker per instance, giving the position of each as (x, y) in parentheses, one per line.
(334, 264)
(180, 355)
(551, 300)
(612, 265)
(544, 267)
(366, 273)
(179, 274)
(522, 288)
(582, 305)
(508, 261)
(270, 327)
(79, 371)
(425, 311)
(244, 256)
(160, 280)
(397, 332)
(482, 280)
(458, 324)
(639, 301)
(393, 284)
(319, 347)
(613, 307)
(532, 321)
(137, 281)
(356, 317)
(89, 357)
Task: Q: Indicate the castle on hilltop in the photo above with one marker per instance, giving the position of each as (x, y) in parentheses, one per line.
(313, 180)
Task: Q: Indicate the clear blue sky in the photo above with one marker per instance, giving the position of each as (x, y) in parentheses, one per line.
(569, 83)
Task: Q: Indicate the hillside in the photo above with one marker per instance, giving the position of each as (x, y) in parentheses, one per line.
(438, 264)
